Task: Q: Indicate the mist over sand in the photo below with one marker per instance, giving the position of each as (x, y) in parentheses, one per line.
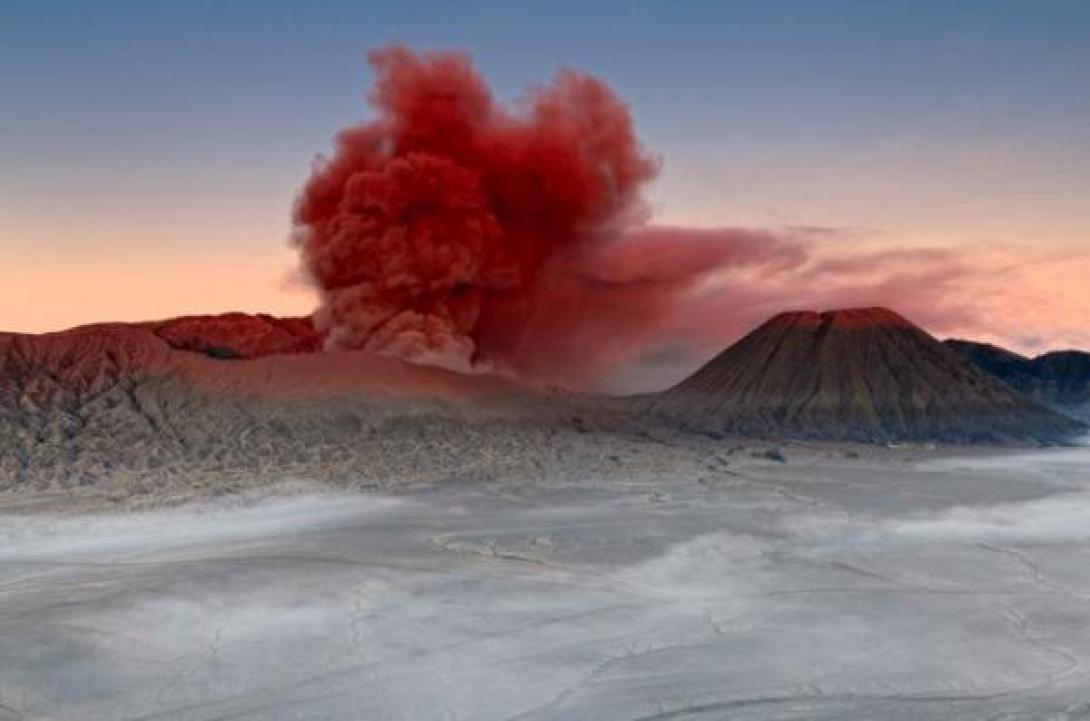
(902, 584)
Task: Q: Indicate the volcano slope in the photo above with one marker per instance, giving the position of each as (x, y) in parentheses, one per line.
(857, 374)
(120, 410)
(1060, 379)
(199, 406)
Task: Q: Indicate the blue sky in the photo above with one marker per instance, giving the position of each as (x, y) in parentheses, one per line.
(133, 131)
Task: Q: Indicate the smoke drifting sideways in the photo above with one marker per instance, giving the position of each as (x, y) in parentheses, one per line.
(513, 239)
(458, 231)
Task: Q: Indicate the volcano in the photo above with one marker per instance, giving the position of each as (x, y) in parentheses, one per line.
(169, 404)
(864, 374)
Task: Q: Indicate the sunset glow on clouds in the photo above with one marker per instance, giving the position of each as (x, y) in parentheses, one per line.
(1026, 300)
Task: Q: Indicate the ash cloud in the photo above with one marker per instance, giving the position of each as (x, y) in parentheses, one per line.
(435, 229)
(455, 230)
(459, 231)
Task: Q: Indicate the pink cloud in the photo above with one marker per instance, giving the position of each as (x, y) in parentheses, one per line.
(1021, 298)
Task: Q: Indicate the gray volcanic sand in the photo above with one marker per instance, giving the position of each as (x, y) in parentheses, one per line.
(824, 588)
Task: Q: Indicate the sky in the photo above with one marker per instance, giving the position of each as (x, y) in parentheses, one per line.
(150, 152)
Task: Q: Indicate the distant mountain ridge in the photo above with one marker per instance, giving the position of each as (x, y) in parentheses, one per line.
(239, 335)
(855, 374)
(1060, 379)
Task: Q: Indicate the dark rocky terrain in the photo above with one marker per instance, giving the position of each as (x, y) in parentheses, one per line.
(1060, 379)
(862, 375)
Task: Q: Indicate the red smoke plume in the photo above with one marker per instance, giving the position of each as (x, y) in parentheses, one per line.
(440, 230)
(457, 231)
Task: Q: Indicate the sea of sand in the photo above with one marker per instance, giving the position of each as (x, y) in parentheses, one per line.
(841, 583)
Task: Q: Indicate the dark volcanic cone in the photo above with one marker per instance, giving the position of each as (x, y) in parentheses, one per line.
(861, 374)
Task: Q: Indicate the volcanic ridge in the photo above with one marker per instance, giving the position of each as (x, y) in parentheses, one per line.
(208, 399)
